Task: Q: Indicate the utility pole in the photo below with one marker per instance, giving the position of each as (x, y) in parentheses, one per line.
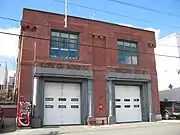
(66, 14)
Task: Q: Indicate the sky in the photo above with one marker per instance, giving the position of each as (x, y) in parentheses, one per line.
(159, 21)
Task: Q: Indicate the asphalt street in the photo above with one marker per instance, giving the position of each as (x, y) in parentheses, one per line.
(155, 128)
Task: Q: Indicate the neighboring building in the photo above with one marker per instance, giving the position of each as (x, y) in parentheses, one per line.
(168, 64)
(170, 95)
(11, 83)
(91, 69)
(3, 75)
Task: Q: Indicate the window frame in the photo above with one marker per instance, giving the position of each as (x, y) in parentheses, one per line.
(127, 51)
(67, 32)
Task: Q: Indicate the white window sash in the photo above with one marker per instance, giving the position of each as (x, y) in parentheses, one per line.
(73, 50)
(54, 48)
(63, 49)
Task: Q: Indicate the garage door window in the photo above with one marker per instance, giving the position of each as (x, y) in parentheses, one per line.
(136, 106)
(74, 106)
(48, 106)
(127, 100)
(49, 99)
(136, 100)
(118, 106)
(118, 100)
(62, 99)
(74, 99)
(127, 106)
(61, 106)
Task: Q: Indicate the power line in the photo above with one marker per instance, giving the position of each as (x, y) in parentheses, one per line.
(129, 17)
(81, 44)
(12, 19)
(82, 6)
(145, 8)
(90, 45)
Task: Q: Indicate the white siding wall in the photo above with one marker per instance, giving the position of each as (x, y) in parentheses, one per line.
(178, 42)
(167, 67)
(3, 73)
(11, 80)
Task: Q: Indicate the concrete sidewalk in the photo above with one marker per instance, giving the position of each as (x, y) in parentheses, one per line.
(8, 129)
(88, 129)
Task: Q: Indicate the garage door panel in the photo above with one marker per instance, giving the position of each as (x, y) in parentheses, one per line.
(128, 105)
(76, 116)
(65, 98)
(72, 86)
(53, 120)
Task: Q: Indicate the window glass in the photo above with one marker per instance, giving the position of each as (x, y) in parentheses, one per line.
(74, 106)
(73, 41)
(62, 99)
(54, 42)
(120, 43)
(117, 100)
(136, 100)
(73, 36)
(48, 106)
(61, 106)
(74, 99)
(64, 35)
(126, 43)
(127, 100)
(54, 53)
(127, 106)
(133, 45)
(134, 60)
(53, 33)
(136, 106)
(118, 106)
(121, 48)
(73, 44)
(122, 57)
(64, 45)
(127, 52)
(128, 59)
(73, 54)
(64, 54)
(49, 99)
(61, 43)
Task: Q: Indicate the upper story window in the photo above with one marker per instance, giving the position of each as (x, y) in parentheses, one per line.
(64, 45)
(127, 52)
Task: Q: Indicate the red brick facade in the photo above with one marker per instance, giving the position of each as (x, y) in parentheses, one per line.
(98, 51)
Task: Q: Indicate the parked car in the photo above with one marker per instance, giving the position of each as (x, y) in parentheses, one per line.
(170, 109)
(1, 117)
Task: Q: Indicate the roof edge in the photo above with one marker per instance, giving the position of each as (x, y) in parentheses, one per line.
(168, 36)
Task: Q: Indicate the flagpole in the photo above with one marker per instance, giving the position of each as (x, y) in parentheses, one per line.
(66, 14)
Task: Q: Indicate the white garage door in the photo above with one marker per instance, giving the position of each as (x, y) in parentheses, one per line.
(62, 104)
(128, 103)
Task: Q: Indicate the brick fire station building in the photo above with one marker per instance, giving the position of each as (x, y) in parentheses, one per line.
(91, 69)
